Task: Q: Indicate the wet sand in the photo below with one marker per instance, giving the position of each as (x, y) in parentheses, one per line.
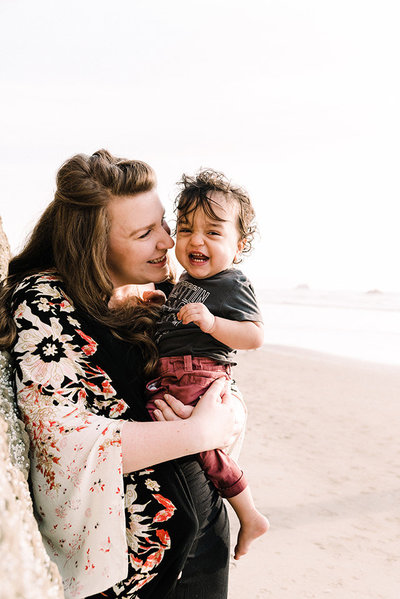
(322, 455)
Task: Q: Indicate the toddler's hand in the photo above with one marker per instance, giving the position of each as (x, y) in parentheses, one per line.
(199, 314)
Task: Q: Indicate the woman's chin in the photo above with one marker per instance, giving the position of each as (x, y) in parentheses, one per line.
(159, 275)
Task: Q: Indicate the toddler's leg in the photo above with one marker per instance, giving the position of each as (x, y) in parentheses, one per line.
(154, 393)
(252, 523)
(228, 478)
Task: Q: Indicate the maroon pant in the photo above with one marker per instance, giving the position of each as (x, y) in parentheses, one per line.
(187, 378)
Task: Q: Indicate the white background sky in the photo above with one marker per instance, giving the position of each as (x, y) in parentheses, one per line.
(297, 100)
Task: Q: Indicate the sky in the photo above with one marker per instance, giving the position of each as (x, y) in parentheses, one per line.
(296, 100)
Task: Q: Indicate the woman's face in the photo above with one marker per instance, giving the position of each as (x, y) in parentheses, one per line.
(138, 240)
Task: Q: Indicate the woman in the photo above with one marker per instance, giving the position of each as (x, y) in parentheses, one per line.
(118, 518)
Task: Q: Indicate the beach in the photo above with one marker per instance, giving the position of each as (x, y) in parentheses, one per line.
(322, 456)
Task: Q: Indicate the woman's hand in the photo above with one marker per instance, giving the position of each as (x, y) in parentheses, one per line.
(129, 295)
(171, 409)
(125, 295)
(181, 430)
(213, 416)
(156, 296)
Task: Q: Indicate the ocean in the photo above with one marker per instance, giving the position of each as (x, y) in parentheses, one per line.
(365, 326)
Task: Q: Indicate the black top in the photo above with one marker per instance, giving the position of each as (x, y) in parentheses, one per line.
(228, 294)
(64, 359)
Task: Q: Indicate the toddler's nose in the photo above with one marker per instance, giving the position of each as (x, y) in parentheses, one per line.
(196, 239)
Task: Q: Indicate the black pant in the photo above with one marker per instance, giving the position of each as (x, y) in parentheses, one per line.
(205, 575)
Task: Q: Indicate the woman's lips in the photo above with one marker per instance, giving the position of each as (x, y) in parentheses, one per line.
(159, 261)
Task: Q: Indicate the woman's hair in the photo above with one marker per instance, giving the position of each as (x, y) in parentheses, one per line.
(71, 238)
(195, 193)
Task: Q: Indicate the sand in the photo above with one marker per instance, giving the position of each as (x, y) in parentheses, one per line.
(322, 455)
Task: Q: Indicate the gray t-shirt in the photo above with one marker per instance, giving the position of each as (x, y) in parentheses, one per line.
(228, 294)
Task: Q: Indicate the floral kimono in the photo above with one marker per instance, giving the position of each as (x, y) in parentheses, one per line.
(76, 384)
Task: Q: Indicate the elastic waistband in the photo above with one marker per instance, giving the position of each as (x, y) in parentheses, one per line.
(190, 363)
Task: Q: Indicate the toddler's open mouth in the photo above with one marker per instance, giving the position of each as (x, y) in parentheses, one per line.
(198, 258)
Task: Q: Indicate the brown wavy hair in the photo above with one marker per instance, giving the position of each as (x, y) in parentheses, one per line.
(71, 238)
(194, 194)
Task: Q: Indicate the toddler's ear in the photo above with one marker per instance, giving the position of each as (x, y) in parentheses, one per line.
(241, 245)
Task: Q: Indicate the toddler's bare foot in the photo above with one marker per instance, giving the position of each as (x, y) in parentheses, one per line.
(250, 529)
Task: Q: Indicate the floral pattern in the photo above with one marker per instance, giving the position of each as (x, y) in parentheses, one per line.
(101, 527)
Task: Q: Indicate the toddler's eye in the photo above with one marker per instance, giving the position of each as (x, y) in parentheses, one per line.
(214, 233)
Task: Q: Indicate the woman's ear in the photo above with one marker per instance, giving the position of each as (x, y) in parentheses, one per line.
(241, 245)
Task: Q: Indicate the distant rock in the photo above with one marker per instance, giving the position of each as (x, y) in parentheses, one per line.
(374, 292)
(303, 287)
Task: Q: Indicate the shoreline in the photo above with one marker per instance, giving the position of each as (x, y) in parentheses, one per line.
(321, 456)
(289, 350)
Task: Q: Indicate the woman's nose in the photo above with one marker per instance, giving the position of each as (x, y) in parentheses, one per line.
(165, 242)
(166, 227)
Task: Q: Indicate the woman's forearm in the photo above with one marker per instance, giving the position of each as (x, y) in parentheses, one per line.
(145, 444)
(210, 425)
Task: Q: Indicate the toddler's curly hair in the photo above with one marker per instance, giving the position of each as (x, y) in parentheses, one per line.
(194, 194)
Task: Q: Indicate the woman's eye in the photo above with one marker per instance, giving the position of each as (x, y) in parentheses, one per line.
(145, 234)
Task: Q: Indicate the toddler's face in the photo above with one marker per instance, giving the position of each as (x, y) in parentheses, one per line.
(207, 246)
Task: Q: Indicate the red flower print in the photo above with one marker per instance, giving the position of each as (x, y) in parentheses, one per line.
(166, 514)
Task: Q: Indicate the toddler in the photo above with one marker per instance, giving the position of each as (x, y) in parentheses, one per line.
(211, 312)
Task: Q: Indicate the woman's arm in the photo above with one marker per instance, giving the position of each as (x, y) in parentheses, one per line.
(237, 334)
(171, 409)
(211, 425)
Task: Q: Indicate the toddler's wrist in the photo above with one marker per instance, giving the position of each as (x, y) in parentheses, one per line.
(211, 328)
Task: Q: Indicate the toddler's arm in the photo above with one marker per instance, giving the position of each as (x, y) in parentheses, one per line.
(236, 334)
